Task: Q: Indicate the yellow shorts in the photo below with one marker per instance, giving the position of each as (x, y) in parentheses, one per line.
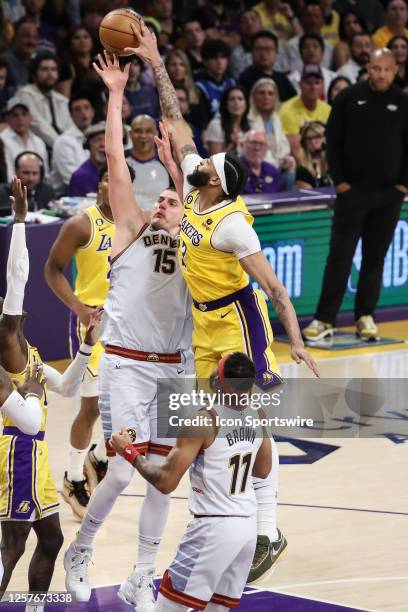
(27, 489)
(243, 325)
(76, 336)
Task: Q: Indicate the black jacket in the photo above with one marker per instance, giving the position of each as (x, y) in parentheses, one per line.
(252, 74)
(40, 197)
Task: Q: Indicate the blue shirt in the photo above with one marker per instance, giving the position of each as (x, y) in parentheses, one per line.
(84, 180)
(270, 179)
(213, 91)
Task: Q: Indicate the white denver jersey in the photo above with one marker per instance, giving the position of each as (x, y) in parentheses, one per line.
(221, 475)
(148, 307)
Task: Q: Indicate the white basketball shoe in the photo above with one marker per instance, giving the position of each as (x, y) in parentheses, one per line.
(138, 590)
(76, 561)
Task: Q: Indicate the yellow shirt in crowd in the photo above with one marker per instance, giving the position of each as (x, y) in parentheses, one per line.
(276, 22)
(330, 32)
(294, 114)
(383, 35)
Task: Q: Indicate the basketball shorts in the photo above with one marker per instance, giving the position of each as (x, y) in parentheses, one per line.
(242, 325)
(212, 562)
(27, 488)
(90, 383)
(128, 398)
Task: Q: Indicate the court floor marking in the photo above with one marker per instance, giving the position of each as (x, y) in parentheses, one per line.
(179, 498)
(328, 601)
(340, 581)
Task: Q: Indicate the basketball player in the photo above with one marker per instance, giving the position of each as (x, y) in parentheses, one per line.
(213, 559)
(86, 238)
(218, 251)
(28, 497)
(146, 325)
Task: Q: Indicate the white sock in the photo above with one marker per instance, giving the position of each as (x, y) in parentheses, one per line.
(33, 607)
(100, 450)
(117, 478)
(266, 491)
(76, 463)
(152, 521)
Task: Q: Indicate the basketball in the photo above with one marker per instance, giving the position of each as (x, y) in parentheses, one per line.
(115, 31)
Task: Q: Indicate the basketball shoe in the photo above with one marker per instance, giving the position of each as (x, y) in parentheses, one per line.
(316, 330)
(76, 560)
(138, 590)
(95, 470)
(266, 556)
(366, 328)
(76, 495)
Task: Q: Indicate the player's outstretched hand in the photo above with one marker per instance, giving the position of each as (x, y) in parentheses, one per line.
(120, 440)
(111, 73)
(147, 49)
(19, 200)
(300, 354)
(164, 146)
(92, 333)
(34, 381)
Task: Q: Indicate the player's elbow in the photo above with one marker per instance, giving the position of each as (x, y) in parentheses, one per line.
(165, 488)
(262, 471)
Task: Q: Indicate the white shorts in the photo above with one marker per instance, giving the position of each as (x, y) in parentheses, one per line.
(128, 398)
(212, 562)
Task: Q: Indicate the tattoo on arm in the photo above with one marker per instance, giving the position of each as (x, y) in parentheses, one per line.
(168, 99)
(187, 150)
(277, 298)
(152, 473)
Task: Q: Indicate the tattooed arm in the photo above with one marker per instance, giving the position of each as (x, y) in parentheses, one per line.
(258, 267)
(148, 52)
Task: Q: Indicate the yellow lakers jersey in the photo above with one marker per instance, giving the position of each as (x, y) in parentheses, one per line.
(33, 357)
(93, 260)
(209, 273)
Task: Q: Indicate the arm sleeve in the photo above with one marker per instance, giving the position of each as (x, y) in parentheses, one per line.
(17, 271)
(25, 413)
(67, 384)
(187, 165)
(234, 235)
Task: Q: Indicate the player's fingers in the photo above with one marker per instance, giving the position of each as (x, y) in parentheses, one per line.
(136, 33)
(12, 200)
(96, 68)
(115, 60)
(27, 373)
(107, 58)
(25, 192)
(126, 68)
(101, 61)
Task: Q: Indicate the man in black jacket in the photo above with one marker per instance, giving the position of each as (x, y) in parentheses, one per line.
(367, 151)
(30, 170)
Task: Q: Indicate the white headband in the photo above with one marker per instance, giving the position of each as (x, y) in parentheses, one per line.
(219, 162)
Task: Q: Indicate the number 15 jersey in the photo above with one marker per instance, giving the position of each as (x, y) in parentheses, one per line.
(148, 307)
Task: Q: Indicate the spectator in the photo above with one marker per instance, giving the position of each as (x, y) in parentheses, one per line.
(225, 131)
(369, 168)
(350, 24)
(241, 57)
(371, 11)
(214, 80)
(92, 12)
(399, 48)
(336, 86)
(48, 108)
(86, 178)
(47, 33)
(264, 54)
(263, 115)
(6, 91)
(330, 29)
(311, 49)
(179, 70)
(396, 17)
(312, 20)
(162, 11)
(18, 137)
(360, 49)
(313, 170)
(6, 30)
(151, 176)
(184, 102)
(263, 177)
(278, 17)
(306, 107)
(214, 17)
(142, 97)
(3, 166)
(18, 57)
(68, 152)
(194, 37)
(76, 73)
(29, 168)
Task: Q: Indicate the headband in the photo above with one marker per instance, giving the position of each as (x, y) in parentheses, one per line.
(219, 164)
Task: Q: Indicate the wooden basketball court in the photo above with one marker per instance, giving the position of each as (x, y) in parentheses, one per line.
(345, 514)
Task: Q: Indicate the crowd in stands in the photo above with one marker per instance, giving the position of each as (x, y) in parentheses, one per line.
(253, 78)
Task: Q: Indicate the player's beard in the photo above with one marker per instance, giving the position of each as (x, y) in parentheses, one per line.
(198, 178)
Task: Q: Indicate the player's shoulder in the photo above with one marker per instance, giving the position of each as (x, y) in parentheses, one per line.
(79, 226)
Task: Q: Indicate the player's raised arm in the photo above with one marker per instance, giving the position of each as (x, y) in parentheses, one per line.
(12, 355)
(148, 52)
(127, 214)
